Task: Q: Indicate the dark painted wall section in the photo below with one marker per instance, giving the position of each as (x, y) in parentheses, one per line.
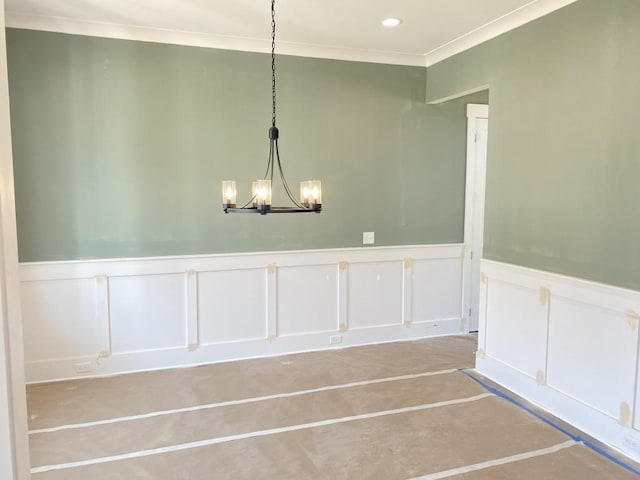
(120, 148)
(564, 144)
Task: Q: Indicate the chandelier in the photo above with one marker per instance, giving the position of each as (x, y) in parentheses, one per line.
(260, 201)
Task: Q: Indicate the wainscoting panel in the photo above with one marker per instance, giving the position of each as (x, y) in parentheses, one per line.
(307, 299)
(87, 318)
(566, 344)
(232, 305)
(577, 365)
(59, 319)
(506, 303)
(147, 312)
(375, 294)
(437, 289)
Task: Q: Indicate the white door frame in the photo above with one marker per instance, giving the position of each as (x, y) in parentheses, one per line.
(473, 213)
(14, 443)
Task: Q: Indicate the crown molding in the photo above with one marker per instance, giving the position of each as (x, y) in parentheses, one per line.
(510, 21)
(177, 37)
(525, 14)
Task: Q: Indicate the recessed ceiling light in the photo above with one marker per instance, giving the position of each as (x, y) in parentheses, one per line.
(391, 22)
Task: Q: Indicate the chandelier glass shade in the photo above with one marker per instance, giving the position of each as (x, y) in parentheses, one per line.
(310, 199)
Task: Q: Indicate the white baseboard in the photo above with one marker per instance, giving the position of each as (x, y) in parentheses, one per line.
(93, 318)
(568, 345)
(44, 371)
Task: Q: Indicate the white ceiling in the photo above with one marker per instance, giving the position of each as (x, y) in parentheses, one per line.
(349, 29)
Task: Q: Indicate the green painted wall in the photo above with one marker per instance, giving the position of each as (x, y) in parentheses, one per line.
(120, 148)
(564, 140)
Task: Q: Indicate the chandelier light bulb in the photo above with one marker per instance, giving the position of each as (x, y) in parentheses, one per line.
(229, 193)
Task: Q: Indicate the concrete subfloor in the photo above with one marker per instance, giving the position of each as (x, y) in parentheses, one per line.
(392, 411)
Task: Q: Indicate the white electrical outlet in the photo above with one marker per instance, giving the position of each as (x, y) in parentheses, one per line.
(632, 444)
(368, 238)
(84, 367)
(335, 339)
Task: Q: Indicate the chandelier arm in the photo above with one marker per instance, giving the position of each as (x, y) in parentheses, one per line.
(266, 173)
(284, 180)
(249, 202)
(271, 161)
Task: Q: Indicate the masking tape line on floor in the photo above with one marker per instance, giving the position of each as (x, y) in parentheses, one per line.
(239, 402)
(259, 433)
(498, 461)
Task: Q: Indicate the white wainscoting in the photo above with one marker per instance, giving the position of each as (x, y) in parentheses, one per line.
(568, 345)
(111, 316)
